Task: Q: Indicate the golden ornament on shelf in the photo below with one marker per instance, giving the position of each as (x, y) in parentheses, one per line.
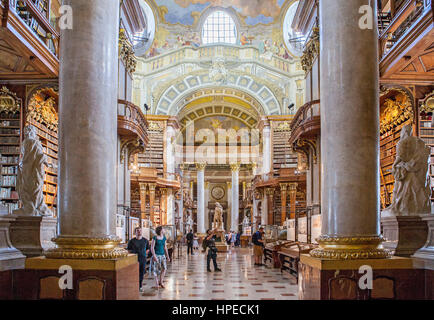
(42, 108)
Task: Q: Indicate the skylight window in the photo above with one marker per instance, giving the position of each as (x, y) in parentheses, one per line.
(219, 27)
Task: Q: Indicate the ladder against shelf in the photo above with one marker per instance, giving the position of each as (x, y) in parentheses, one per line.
(10, 139)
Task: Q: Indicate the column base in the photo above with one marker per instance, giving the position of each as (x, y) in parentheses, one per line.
(116, 279)
(32, 235)
(86, 248)
(222, 247)
(404, 234)
(427, 251)
(10, 257)
(396, 278)
(350, 248)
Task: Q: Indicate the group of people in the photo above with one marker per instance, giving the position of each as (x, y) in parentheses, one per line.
(159, 255)
(157, 248)
(233, 239)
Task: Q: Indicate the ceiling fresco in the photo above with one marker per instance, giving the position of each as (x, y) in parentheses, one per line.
(253, 11)
(260, 25)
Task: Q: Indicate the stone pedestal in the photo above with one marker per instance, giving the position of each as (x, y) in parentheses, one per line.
(396, 278)
(112, 279)
(404, 234)
(10, 257)
(427, 251)
(32, 235)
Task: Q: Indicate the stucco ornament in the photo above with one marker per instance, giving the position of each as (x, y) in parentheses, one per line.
(30, 179)
(411, 194)
(218, 72)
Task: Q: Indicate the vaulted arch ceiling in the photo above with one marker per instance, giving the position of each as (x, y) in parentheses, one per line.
(172, 100)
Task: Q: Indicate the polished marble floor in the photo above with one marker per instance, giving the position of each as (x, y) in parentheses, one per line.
(188, 279)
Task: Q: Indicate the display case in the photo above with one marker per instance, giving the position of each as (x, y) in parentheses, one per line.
(271, 233)
(121, 227)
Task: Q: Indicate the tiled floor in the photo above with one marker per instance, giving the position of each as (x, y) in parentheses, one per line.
(187, 279)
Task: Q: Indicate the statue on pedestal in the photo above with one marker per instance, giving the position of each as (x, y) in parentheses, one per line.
(30, 179)
(411, 193)
(189, 223)
(218, 217)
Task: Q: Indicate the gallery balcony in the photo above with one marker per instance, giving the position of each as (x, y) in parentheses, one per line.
(306, 123)
(156, 177)
(406, 37)
(132, 124)
(29, 43)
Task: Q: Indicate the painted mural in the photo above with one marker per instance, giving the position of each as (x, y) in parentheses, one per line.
(259, 20)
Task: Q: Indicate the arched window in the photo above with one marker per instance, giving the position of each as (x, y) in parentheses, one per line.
(294, 41)
(219, 27)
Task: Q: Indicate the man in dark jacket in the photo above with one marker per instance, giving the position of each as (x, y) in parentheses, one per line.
(190, 238)
(141, 247)
(212, 251)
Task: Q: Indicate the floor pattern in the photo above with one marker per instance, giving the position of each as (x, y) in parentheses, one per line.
(188, 279)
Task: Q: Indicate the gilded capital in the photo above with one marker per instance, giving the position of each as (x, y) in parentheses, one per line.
(143, 187)
(293, 187)
(235, 166)
(229, 184)
(283, 186)
(201, 166)
(152, 187)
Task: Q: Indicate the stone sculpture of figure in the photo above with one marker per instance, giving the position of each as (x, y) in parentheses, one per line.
(246, 221)
(30, 179)
(218, 215)
(411, 194)
(189, 223)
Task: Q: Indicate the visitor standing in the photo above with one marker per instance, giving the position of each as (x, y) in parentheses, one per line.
(139, 246)
(258, 246)
(233, 238)
(160, 256)
(190, 238)
(195, 242)
(212, 251)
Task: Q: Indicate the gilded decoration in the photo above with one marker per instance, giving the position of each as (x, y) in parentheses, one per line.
(42, 108)
(86, 248)
(283, 127)
(9, 101)
(395, 112)
(350, 248)
(126, 52)
(200, 166)
(155, 126)
(428, 104)
(311, 50)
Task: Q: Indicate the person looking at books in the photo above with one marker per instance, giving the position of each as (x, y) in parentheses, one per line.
(160, 256)
(139, 246)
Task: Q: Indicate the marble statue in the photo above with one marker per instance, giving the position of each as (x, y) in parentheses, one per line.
(188, 223)
(218, 216)
(30, 179)
(411, 194)
(246, 222)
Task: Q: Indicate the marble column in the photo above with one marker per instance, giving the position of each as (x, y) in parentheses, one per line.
(207, 222)
(266, 151)
(235, 208)
(270, 199)
(201, 197)
(293, 200)
(170, 158)
(88, 80)
(170, 207)
(152, 202)
(264, 209)
(143, 187)
(349, 134)
(283, 189)
(229, 210)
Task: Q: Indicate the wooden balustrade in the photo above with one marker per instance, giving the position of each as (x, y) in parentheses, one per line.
(306, 122)
(132, 121)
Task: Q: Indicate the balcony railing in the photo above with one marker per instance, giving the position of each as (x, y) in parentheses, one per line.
(132, 121)
(35, 14)
(392, 28)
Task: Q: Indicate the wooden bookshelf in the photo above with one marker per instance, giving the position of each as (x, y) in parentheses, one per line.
(10, 139)
(42, 114)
